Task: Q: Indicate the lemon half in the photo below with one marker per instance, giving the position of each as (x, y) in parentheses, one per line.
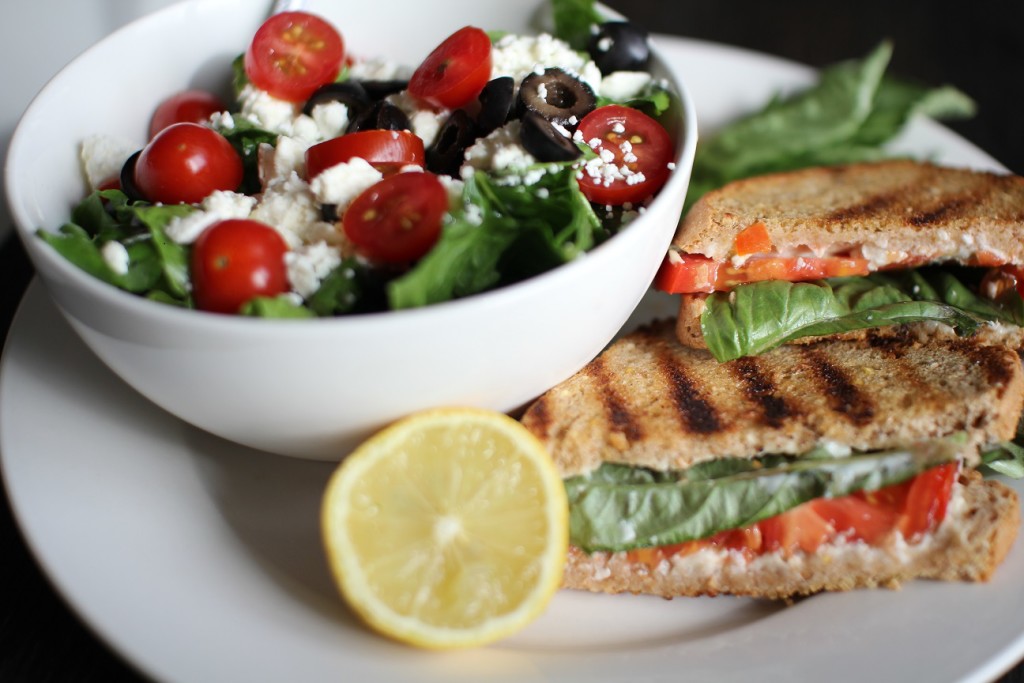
(447, 529)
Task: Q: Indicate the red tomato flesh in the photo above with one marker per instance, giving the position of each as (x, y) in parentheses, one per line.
(399, 219)
(693, 273)
(912, 508)
(236, 260)
(293, 54)
(185, 162)
(455, 72)
(638, 151)
(190, 106)
(383, 149)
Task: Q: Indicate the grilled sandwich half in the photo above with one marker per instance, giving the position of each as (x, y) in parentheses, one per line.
(825, 466)
(836, 250)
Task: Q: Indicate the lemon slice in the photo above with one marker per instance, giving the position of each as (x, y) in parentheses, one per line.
(448, 528)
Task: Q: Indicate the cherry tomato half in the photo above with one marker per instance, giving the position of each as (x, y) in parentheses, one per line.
(456, 71)
(189, 106)
(641, 152)
(185, 162)
(293, 54)
(381, 148)
(398, 219)
(235, 260)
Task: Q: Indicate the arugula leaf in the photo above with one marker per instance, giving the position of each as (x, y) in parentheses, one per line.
(281, 307)
(501, 235)
(573, 19)
(246, 138)
(618, 507)
(847, 116)
(654, 100)
(759, 316)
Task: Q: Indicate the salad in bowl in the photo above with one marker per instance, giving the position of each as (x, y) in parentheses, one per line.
(292, 269)
(329, 183)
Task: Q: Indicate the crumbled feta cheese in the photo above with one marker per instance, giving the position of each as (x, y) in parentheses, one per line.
(331, 119)
(624, 85)
(343, 182)
(288, 205)
(280, 161)
(501, 150)
(425, 122)
(379, 69)
(218, 206)
(308, 265)
(519, 56)
(454, 187)
(115, 256)
(269, 113)
(103, 156)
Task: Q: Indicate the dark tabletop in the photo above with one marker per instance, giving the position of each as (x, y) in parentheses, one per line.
(977, 46)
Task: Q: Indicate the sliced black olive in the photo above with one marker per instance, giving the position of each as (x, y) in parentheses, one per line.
(349, 93)
(545, 142)
(128, 185)
(619, 46)
(381, 115)
(557, 96)
(448, 151)
(329, 213)
(378, 90)
(496, 100)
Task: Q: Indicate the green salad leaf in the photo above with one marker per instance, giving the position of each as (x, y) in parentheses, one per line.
(852, 110)
(1006, 458)
(573, 19)
(156, 266)
(503, 234)
(618, 507)
(759, 316)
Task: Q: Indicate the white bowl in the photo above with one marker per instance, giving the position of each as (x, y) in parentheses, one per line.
(314, 388)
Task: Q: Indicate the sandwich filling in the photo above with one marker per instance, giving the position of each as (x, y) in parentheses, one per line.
(771, 504)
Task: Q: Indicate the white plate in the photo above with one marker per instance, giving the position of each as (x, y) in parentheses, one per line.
(199, 560)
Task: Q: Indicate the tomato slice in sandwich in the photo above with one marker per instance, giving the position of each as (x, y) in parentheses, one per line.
(694, 273)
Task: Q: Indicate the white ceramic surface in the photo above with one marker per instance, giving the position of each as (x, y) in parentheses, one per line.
(312, 388)
(199, 560)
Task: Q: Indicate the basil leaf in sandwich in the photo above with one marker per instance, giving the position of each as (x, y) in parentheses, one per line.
(618, 507)
(759, 316)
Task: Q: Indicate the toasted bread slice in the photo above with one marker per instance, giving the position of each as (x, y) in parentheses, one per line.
(979, 529)
(651, 402)
(890, 211)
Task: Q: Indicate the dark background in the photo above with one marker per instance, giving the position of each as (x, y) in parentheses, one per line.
(977, 46)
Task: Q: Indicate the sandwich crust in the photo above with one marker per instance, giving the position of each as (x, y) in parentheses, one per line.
(971, 542)
(892, 210)
(649, 401)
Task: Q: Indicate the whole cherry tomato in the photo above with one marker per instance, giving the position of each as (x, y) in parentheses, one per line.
(235, 260)
(185, 162)
(189, 106)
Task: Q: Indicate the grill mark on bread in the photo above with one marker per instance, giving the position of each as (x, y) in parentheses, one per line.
(873, 205)
(615, 408)
(760, 389)
(991, 359)
(891, 341)
(843, 395)
(696, 413)
(945, 212)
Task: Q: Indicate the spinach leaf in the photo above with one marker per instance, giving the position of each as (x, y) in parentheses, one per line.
(846, 116)
(501, 235)
(759, 316)
(275, 307)
(573, 19)
(1006, 458)
(246, 138)
(654, 100)
(618, 507)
